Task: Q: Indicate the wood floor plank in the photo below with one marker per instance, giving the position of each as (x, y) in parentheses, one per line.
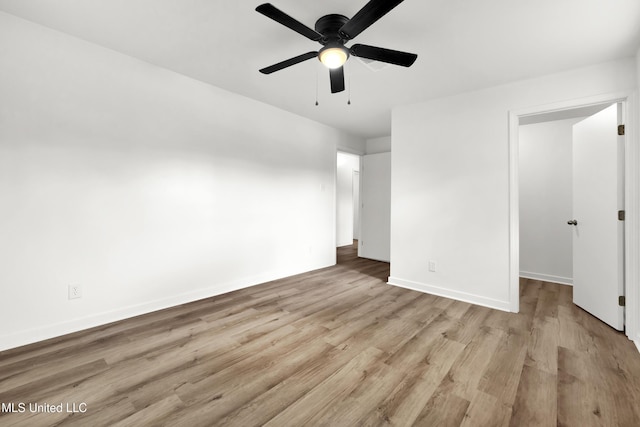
(487, 410)
(457, 309)
(581, 398)
(275, 400)
(542, 346)
(417, 309)
(546, 305)
(572, 334)
(356, 322)
(228, 395)
(443, 409)
(370, 305)
(311, 407)
(468, 325)
(468, 370)
(335, 346)
(501, 377)
(154, 414)
(37, 388)
(156, 342)
(380, 380)
(415, 352)
(193, 365)
(425, 360)
(223, 377)
(536, 400)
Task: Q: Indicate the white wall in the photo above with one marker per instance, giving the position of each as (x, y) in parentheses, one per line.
(145, 187)
(375, 216)
(378, 145)
(347, 164)
(450, 182)
(352, 144)
(545, 174)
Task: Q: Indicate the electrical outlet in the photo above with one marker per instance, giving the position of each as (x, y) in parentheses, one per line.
(75, 291)
(432, 266)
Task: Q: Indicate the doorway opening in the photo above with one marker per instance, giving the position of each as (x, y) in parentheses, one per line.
(566, 111)
(570, 170)
(546, 194)
(347, 199)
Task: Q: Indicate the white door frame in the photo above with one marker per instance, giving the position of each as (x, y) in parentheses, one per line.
(632, 199)
(356, 200)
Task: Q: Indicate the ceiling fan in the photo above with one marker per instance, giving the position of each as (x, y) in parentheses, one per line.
(333, 31)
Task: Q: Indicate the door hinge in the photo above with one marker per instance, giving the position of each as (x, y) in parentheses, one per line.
(620, 130)
(622, 301)
(620, 215)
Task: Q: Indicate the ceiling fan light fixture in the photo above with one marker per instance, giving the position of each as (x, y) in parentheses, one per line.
(332, 31)
(333, 56)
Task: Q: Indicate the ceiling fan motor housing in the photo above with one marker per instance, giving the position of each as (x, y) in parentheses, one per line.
(329, 26)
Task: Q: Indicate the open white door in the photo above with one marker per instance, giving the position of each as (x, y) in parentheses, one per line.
(375, 219)
(598, 278)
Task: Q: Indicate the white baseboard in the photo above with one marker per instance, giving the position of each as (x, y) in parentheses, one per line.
(637, 343)
(30, 336)
(547, 278)
(449, 293)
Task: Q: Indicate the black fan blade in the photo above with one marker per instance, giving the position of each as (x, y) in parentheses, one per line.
(384, 55)
(369, 14)
(289, 62)
(337, 79)
(277, 15)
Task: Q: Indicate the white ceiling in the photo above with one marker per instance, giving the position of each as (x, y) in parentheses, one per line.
(461, 45)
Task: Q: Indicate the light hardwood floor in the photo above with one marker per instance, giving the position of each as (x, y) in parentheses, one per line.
(335, 347)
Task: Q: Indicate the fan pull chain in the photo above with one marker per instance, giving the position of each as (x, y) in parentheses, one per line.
(348, 71)
(317, 86)
(349, 100)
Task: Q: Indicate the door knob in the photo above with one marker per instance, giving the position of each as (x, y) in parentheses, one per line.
(572, 222)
